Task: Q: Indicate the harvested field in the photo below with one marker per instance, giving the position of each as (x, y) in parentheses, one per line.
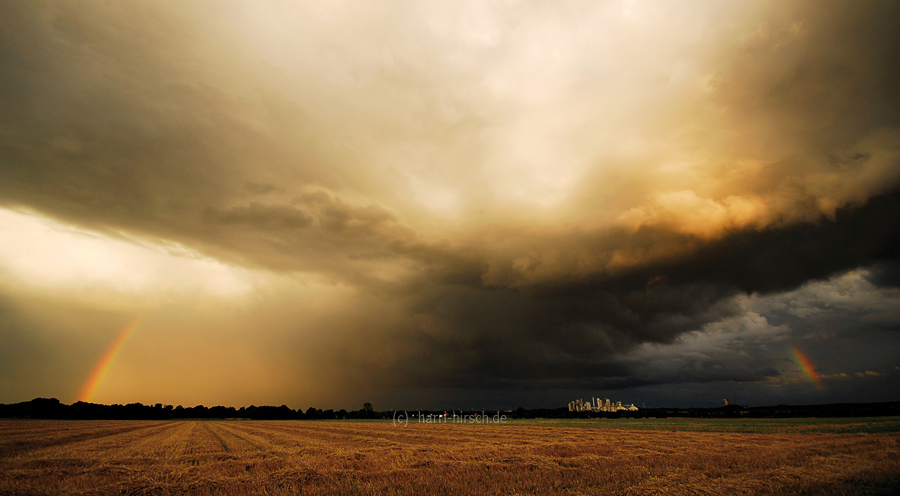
(519, 457)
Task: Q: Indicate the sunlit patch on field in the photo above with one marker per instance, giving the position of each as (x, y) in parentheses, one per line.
(290, 457)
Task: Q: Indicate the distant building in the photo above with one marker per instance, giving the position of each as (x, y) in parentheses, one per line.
(600, 405)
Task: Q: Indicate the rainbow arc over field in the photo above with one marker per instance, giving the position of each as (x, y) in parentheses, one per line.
(807, 367)
(107, 360)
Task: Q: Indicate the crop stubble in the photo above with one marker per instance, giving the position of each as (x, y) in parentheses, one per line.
(285, 457)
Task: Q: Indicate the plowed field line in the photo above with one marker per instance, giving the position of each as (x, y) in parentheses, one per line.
(318, 431)
(218, 438)
(18, 447)
(54, 427)
(236, 433)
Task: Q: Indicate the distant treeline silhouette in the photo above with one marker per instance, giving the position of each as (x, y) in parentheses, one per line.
(52, 408)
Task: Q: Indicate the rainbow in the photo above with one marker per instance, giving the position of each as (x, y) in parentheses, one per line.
(106, 361)
(807, 367)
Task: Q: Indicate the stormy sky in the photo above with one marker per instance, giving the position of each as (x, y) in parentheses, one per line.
(427, 204)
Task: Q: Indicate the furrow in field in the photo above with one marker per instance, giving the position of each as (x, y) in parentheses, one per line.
(356, 446)
(18, 445)
(177, 439)
(218, 437)
(232, 441)
(368, 435)
(386, 435)
(287, 439)
(126, 448)
(30, 429)
(121, 443)
(30, 426)
(200, 444)
(327, 458)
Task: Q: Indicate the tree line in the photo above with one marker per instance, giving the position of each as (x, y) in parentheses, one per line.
(52, 408)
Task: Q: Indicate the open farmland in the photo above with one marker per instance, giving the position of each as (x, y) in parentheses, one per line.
(519, 457)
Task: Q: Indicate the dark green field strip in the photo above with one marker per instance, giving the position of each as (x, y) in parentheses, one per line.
(17, 445)
(870, 425)
(839, 425)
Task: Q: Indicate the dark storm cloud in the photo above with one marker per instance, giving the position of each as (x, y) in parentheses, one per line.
(574, 333)
(495, 218)
(782, 258)
(886, 274)
(566, 328)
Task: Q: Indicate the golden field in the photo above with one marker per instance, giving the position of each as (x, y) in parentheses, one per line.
(518, 457)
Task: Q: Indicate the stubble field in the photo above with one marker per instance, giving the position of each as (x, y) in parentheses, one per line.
(519, 457)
